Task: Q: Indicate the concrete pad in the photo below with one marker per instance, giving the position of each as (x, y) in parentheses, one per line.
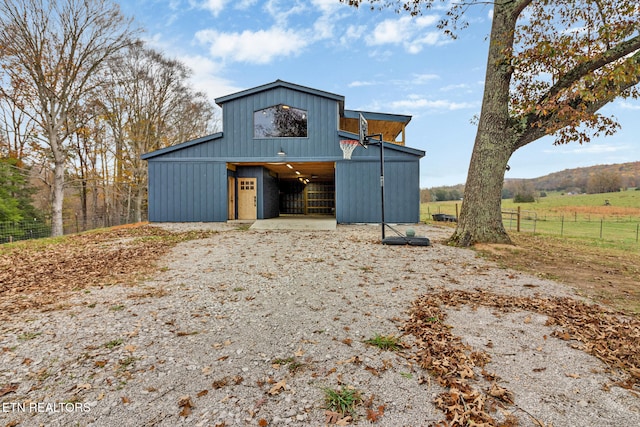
(295, 223)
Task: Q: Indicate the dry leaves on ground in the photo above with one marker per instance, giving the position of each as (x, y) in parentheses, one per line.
(40, 274)
(610, 336)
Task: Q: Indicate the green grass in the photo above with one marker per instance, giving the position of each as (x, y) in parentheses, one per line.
(28, 336)
(344, 401)
(113, 343)
(583, 216)
(385, 342)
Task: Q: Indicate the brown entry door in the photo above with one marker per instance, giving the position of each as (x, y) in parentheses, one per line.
(247, 198)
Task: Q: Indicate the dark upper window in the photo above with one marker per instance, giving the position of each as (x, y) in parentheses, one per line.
(280, 121)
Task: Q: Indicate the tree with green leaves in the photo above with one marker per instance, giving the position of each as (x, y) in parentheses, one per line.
(552, 65)
(15, 192)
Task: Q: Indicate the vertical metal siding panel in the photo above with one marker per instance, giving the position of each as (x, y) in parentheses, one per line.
(172, 181)
(161, 191)
(151, 203)
(197, 195)
(186, 191)
(219, 190)
(357, 192)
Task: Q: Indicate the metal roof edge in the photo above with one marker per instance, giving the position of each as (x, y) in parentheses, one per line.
(147, 156)
(370, 115)
(278, 83)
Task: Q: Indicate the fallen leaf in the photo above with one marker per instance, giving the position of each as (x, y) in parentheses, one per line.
(185, 403)
(125, 399)
(344, 421)
(331, 417)
(202, 393)
(299, 352)
(85, 386)
(576, 376)
(8, 389)
(263, 422)
(501, 393)
(130, 348)
(277, 387)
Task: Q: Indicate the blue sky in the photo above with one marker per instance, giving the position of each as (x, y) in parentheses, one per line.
(378, 60)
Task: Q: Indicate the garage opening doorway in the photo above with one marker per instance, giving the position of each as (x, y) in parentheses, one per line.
(307, 198)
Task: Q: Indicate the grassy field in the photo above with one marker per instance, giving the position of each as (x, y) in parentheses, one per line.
(584, 216)
(577, 240)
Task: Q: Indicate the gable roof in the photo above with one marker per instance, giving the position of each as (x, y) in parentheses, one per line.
(281, 83)
(180, 146)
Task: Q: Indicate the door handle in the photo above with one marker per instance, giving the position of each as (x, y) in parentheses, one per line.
(255, 201)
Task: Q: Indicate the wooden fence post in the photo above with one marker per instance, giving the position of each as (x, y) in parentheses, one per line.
(518, 220)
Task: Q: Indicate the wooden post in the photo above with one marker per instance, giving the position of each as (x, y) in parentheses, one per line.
(456, 211)
(518, 220)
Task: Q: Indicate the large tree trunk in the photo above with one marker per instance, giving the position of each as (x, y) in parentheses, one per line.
(480, 217)
(138, 204)
(57, 199)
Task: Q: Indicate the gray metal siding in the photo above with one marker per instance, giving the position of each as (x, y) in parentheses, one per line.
(270, 195)
(322, 127)
(187, 191)
(189, 183)
(358, 192)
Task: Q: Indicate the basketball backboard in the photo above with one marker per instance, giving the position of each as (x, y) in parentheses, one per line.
(364, 130)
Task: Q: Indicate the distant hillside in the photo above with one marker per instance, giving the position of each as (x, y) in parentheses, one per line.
(578, 179)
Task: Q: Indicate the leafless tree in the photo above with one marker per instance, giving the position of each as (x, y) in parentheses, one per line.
(49, 52)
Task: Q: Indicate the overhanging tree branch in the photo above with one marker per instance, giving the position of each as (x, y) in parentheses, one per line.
(540, 125)
(620, 51)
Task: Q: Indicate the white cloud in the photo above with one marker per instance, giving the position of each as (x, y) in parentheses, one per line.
(214, 6)
(281, 12)
(359, 83)
(419, 79)
(406, 31)
(205, 77)
(353, 34)
(457, 87)
(629, 105)
(326, 6)
(414, 102)
(255, 47)
(590, 148)
(245, 4)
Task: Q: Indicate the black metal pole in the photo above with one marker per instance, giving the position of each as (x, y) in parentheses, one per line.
(382, 183)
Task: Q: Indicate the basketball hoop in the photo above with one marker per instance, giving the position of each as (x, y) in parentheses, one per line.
(347, 146)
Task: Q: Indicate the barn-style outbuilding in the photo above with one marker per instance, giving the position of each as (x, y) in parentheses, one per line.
(279, 153)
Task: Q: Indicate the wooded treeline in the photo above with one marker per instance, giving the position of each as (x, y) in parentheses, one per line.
(81, 98)
(591, 180)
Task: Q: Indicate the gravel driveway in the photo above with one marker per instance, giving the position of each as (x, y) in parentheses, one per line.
(250, 327)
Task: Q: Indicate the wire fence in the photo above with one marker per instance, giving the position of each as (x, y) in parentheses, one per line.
(614, 228)
(618, 228)
(36, 229)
